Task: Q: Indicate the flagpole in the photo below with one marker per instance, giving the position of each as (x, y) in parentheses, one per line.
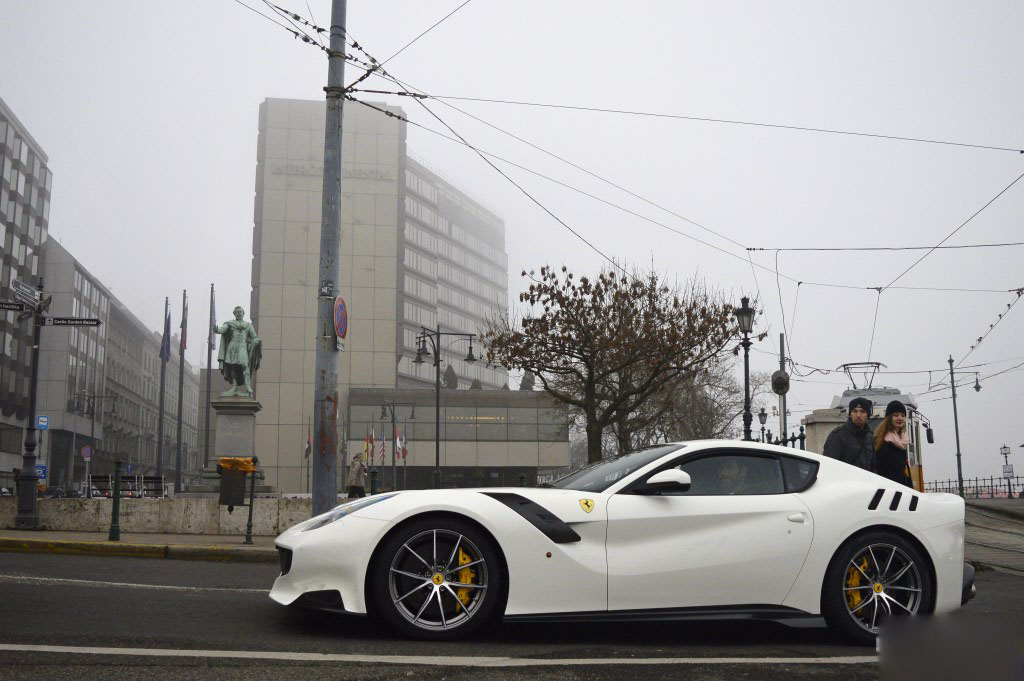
(165, 352)
(181, 388)
(209, 370)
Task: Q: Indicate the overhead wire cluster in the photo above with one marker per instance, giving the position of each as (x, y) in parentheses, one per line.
(372, 67)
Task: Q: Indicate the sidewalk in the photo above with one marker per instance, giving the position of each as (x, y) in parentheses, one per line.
(171, 546)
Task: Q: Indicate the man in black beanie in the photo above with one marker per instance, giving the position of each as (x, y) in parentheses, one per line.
(854, 441)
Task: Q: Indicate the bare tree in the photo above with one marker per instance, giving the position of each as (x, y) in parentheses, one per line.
(606, 345)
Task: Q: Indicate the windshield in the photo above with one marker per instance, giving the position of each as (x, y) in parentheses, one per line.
(600, 476)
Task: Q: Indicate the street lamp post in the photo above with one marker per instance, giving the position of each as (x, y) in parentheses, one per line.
(956, 426)
(1005, 451)
(745, 319)
(434, 338)
(389, 407)
(90, 400)
(762, 416)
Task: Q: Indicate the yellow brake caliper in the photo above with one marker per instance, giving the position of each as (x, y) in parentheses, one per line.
(853, 577)
(466, 576)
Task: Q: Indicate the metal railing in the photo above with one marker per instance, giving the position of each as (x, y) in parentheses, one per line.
(980, 488)
(792, 441)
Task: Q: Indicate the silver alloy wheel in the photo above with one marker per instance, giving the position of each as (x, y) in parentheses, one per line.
(425, 579)
(881, 581)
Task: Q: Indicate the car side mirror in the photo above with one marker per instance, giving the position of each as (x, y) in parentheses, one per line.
(929, 435)
(671, 480)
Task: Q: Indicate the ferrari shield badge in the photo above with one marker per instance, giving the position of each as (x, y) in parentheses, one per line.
(587, 505)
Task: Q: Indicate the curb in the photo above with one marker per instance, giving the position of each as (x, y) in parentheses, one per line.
(114, 549)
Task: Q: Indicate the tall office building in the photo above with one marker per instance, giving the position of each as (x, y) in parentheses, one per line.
(25, 182)
(416, 250)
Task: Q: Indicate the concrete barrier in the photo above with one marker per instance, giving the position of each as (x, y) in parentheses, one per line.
(183, 515)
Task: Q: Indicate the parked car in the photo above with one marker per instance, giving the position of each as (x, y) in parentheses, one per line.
(5, 492)
(686, 530)
(54, 493)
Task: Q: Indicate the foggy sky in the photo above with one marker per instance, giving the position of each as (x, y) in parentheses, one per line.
(148, 112)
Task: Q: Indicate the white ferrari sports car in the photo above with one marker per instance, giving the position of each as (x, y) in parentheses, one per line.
(686, 530)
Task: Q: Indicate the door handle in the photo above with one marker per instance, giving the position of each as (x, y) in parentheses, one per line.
(797, 518)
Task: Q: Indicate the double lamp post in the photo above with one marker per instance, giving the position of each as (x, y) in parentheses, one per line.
(435, 339)
(745, 320)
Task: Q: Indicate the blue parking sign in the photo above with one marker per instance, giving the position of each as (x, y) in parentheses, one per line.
(42, 423)
(41, 471)
(127, 468)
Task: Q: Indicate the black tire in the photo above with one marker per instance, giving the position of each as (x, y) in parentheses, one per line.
(417, 579)
(874, 576)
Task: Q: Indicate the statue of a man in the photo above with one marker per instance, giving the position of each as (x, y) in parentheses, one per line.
(239, 354)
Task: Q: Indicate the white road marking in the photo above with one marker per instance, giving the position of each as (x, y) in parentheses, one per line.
(435, 660)
(11, 578)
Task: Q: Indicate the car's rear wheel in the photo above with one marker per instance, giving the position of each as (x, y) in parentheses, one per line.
(438, 578)
(874, 577)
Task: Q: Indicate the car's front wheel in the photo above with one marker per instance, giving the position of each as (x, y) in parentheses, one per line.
(437, 578)
(873, 577)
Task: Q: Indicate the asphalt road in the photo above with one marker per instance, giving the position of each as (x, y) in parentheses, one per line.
(128, 612)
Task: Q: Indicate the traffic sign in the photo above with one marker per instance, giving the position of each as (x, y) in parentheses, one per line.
(72, 321)
(340, 321)
(41, 471)
(127, 468)
(42, 423)
(25, 293)
(1008, 470)
(87, 453)
(11, 305)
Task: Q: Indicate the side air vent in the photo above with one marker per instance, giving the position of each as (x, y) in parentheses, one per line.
(913, 503)
(538, 516)
(895, 501)
(875, 500)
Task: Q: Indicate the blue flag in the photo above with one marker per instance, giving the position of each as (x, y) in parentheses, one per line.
(165, 344)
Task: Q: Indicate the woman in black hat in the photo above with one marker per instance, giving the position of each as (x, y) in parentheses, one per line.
(891, 442)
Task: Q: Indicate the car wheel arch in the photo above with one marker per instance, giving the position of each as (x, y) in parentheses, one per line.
(903, 534)
(375, 556)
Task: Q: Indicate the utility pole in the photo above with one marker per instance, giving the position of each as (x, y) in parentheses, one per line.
(165, 354)
(209, 370)
(956, 429)
(325, 391)
(27, 517)
(782, 398)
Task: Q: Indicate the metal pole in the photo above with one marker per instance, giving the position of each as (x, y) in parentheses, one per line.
(209, 373)
(325, 393)
(93, 397)
(181, 391)
(252, 502)
(28, 503)
(782, 398)
(437, 409)
(115, 512)
(160, 415)
(394, 451)
(74, 427)
(956, 429)
(748, 418)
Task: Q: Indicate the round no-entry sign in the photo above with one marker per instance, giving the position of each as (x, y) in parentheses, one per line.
(87, 452)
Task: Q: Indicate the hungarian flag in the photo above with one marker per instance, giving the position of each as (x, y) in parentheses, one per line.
(165, 342)
(184, 325)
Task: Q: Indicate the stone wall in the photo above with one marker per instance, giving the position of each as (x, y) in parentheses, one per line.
(270, 517)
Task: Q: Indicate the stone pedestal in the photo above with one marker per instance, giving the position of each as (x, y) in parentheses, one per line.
(236, 426)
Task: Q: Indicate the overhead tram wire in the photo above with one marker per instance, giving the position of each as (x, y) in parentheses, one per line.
(992, 327)
(961, 226)
(435, 25)
(891, 248)
(651, 114)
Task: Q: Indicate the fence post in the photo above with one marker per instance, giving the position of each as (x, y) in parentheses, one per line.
(803, 438)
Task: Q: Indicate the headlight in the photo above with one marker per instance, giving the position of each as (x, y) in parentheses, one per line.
(339, 512)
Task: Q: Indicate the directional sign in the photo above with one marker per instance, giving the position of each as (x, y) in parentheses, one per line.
(87, 453)
(25, 293)
(12, 306)
(42, 423)
(72, 321)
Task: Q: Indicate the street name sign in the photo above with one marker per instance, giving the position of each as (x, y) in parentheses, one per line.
(12, 306)
(87, 453)
(42, 423)
(72, 321)
(25, 293)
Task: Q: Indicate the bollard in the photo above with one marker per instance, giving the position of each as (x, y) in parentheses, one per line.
(115, 524)
(522, 479)
(373, 481)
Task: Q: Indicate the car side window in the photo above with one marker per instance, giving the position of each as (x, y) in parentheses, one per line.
(799, 473)
(733, 474)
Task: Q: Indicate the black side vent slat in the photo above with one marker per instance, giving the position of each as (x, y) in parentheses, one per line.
(913, 503)
(895, 501)
(538, 516)
(875, 500)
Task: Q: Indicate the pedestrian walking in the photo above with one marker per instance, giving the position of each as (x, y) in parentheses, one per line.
(357, 478)
(891, 442)
(853, 442)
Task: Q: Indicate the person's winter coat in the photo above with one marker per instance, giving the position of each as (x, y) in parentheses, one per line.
(852, 445)
(891, 463)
